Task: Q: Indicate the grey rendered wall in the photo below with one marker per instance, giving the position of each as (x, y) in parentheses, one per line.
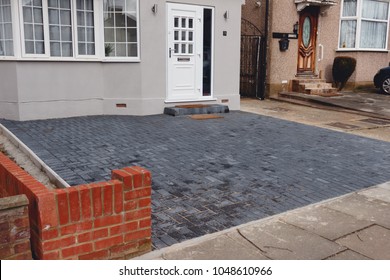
(8, 91)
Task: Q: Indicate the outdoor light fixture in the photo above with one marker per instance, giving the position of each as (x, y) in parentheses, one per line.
(226, 15)
(296, 28)
(154, 9)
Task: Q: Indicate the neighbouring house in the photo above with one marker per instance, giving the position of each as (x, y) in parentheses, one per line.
(304, 36)
(63, 58)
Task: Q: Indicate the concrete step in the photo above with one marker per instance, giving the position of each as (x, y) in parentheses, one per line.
(196, 109)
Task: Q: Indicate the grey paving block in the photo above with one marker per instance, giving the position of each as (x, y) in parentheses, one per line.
(325, 222)
(281, 241)
(373, 242)
(230, 246)
(348, 255)
(363, 208)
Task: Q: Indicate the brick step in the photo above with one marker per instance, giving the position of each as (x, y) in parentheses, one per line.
(196, 109)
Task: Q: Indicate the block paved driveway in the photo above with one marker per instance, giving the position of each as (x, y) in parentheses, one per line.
(213, 174)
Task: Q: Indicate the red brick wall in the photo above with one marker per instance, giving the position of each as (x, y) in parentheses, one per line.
(107, 220)
(14, 228)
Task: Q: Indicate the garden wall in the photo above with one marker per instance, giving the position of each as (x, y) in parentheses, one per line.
(105, 220)
(14, 228)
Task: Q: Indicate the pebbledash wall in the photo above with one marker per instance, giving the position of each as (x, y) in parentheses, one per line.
(105, 220)
(41, 89)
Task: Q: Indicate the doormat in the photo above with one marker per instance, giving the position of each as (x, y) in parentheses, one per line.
(193, 106)
(205, 117)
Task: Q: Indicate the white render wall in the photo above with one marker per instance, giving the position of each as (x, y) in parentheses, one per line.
(55, 89)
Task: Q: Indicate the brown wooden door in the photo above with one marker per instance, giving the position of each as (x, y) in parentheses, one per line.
(307, 40)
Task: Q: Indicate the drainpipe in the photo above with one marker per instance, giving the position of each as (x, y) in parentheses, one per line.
(265, 53)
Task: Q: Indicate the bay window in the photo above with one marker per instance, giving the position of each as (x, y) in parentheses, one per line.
(70, 29)
(364, 24)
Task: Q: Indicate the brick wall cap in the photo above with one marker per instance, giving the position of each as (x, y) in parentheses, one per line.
(13, 201)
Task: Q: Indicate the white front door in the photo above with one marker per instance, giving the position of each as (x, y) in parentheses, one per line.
(185, 52)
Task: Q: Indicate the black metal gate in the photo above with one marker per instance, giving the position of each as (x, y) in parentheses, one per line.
(252, 54)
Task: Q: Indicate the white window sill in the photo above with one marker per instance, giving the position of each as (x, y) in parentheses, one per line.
(51, 59)
(361, 50)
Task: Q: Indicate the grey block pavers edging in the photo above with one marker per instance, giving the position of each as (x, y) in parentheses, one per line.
(274, 165)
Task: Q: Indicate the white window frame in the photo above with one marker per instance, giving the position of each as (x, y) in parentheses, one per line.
(75, 32)
(359, 18)
(19, 43)
(102, 44)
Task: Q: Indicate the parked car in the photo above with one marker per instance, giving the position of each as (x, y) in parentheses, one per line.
(382, 80)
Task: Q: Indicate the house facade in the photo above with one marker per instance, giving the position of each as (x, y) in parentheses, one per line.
(324, 29)
(64, 58)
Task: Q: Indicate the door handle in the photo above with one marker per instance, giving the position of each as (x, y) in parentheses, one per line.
(170, 52)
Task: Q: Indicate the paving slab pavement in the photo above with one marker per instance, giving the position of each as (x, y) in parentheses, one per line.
(314, 232)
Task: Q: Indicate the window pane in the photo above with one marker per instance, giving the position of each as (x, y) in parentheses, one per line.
(80, 18)
(65, 17)
(55, 49)
(349, 8)
(38, 15)
(67, 49)
(89, 5)
(27, 14)
(90, 49)
(82, 49)
(38, 32)
(373, 35)
(9, 48)
(90, 35)
(65, 4)
(81, 34)
(6, 13)
(89, 19)
(120, 35)
(54, 17)
(80, 4)
(348, 34)
(66, 34)
(29, 46)
(39, 48)
(109, 35)
(373, 9)
(53, 3)
(132, 50)
(8, 31)
(28, 32)
(55, 33)
(37, 3)
(120, 49)
(132, 35)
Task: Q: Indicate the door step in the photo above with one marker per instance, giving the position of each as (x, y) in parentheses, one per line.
(196, 109)
(314, 86)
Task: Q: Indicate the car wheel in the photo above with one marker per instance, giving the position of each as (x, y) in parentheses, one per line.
(385, 86)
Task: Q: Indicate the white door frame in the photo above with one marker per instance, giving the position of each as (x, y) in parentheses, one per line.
(185, 53)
